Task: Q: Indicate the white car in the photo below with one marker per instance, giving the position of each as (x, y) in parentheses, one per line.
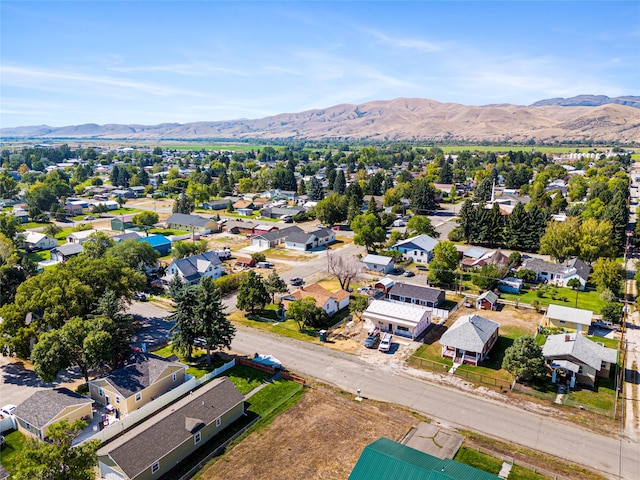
(7, 410)
(385, 344)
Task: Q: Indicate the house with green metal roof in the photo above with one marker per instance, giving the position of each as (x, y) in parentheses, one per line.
(385, 459)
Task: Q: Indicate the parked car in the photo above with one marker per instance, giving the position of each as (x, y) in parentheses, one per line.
(296, 281)
(409, 273)
(372, 340)
(385, 343)
(7, 410)
(141, 297)
(364, 290)
(421, 267)
(89, 217)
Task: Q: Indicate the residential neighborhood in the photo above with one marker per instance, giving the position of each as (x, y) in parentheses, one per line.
(154, 302)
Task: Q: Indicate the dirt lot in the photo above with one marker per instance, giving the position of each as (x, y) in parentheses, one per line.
(321, 437)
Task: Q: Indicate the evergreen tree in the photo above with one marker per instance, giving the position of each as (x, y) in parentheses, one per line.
(185, 316)
(496, 225)
(467, 220)
(252, 293)
(354, 190)
(213, 325)
(423, 196)
(483, 191)
(274, 284)
(535, 228)
(515, 231)
(446, 173)
(340, 184)
(353, 209)
(302, 187)
(316, 192)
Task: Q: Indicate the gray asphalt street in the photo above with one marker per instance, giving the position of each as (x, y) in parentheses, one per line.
(618, 459)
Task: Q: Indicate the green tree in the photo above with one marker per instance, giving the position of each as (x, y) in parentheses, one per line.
(486, 277)
(185, 315)
(57, 459)
(332, 209)
(515, 234)
(78, 343)
(484, 190)
(137, 255)
(419, 225)
(97, 245)
(214, 326)
(440, 274)
(145, 220)
(607, 273)
(524, 360)
(368, 231)
(252, 293)
(446, 252)
(274, 284)
(423, 196)
(316, 192)
(340, 184)
(596, 239)
(8, 185)
(258, 256)
(612, 312)
(41, 195)
(467, 220)
(307, 314)
(183, 204)
(358, 305)
(561, 240)
(183, 249)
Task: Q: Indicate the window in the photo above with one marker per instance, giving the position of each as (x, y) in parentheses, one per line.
(562, 322)
(100, 392)
(218, 422)
(117, 399)
(155, 467)
(175, 377)
(196, 438)
(138, 396)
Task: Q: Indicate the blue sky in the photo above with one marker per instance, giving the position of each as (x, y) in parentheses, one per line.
(144, 62)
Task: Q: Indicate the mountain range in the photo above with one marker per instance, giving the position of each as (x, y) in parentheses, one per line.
(585, 117)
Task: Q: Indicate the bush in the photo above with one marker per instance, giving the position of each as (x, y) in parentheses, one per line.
(456, 235)
(258, 256)
(304, 216)
(229, 283)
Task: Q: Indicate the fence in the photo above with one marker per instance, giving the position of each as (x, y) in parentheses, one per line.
(515, 461)
(128, 421)
(475, 376)
(271, 370)
(217, 451)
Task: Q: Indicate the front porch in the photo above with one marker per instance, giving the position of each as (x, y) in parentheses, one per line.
(460, 356)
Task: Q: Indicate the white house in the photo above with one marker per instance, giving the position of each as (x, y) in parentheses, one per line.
(404, 320)
(418, 248)
(558, 273)
(39, 241)
(307, 241)
(80, 237)
(378, 263)
(568, 318)
(192, 269)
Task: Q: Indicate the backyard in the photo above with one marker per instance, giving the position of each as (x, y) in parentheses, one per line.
(587, 300)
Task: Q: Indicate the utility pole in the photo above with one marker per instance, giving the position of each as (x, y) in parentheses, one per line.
(625, 312)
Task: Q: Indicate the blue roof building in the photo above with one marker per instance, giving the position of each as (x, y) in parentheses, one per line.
(160, 243)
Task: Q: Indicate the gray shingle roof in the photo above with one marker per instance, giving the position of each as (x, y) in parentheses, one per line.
(137, 371)
(69, 249)
(416, 291)
(422, 242)
(377, 259)
(278, 234)
(43, 406)
(299, 237)
(469, 333)
(190, 220)
(150, 441)
(489, 296)
(579, 347)
(196, 265)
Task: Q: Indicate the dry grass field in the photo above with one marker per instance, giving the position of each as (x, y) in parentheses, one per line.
(321, 437)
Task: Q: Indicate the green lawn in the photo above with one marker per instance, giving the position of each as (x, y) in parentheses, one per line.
(40, 256)
(478, 460)
(30, 225)
(14, 443)
(601, 397)
(246, 378)
(274, 398)
(588, 300)
(521, 473)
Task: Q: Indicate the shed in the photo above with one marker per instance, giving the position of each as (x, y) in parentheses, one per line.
(487, 301)
(379, 263)
(384, 284)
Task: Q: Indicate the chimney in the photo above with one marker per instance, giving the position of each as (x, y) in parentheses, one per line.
(567, 337)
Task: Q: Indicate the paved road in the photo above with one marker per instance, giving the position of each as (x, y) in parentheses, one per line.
(618, 459)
